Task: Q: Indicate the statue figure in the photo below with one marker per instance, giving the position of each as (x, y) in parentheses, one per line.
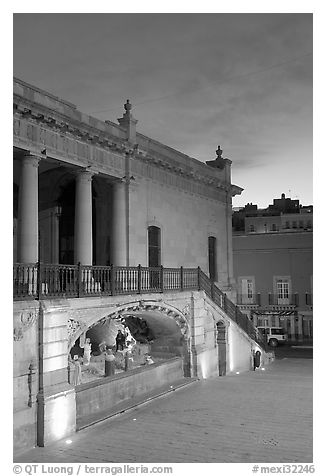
(87, 351)
(76, 374)
(109, 362)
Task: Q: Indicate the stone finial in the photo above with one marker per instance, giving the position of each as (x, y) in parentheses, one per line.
(219, 152)
(127, 107)
(128, 122)
(219, 162)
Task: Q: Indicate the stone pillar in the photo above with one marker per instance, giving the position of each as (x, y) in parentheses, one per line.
(119, 226)
(28, 210)
(83, 218)
(56, 411)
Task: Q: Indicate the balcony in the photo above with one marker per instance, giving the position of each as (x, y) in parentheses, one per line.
(44, 281)
(270, 299)
(254, 300)
(289, 300)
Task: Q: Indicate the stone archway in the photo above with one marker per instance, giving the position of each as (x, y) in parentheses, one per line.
(152, 312)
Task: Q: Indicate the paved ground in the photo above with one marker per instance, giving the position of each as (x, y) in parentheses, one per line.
(294, 351)
(262, 416)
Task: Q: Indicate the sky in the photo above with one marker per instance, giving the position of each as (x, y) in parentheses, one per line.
(242, 81)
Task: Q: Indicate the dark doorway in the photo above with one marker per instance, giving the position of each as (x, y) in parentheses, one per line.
(221, 348)
(154, 256)
(154, 246)
(212, 258)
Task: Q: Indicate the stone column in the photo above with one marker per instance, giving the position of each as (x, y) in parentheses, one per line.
(27, 251)
(119, 225)
(83, 218)
(56, 401)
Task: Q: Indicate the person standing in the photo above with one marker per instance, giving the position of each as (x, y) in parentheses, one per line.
(120, 341)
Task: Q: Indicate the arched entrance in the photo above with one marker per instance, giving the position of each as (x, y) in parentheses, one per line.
(221, 347)
(156, 329)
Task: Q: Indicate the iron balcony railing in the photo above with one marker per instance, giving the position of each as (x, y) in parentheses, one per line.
(255, 299)
(287, 300)
(42, 281)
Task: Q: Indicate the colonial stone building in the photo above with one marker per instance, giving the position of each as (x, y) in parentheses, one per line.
(113, 228)
(273, 265)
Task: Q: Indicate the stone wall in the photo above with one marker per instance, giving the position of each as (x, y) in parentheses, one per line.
(105, 394)
(186, 221)
(56, 324)
(25, 373)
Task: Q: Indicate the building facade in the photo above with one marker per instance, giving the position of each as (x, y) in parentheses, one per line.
(112, 228)
(273, 266)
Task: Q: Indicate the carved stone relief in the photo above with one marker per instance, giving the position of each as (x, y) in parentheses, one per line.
(25, 321)
(77, 327)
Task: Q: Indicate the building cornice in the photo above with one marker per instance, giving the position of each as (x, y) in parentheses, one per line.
(110, 138)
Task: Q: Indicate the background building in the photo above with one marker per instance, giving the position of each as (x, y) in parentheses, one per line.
(273, 260)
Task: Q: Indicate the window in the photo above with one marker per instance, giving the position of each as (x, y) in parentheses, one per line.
(247, 290)
(300, 224)
(251, 228)
(274, 228)
(154, 246)
(294, 224)
(250, 289)
(282, 290)
(287, 224)
(212, 258)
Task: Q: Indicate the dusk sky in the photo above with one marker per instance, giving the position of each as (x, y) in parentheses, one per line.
(242, 81)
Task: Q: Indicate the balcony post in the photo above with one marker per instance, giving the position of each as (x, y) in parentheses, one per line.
(224, 300)
(79, 280)
(198, 278)
(162, 278)
(181, 278)
(212, 289)
(113, 281)
(39, 280)
(139, 278)
(258, 299)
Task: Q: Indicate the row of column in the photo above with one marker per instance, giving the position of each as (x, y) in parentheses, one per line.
(28, 243)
